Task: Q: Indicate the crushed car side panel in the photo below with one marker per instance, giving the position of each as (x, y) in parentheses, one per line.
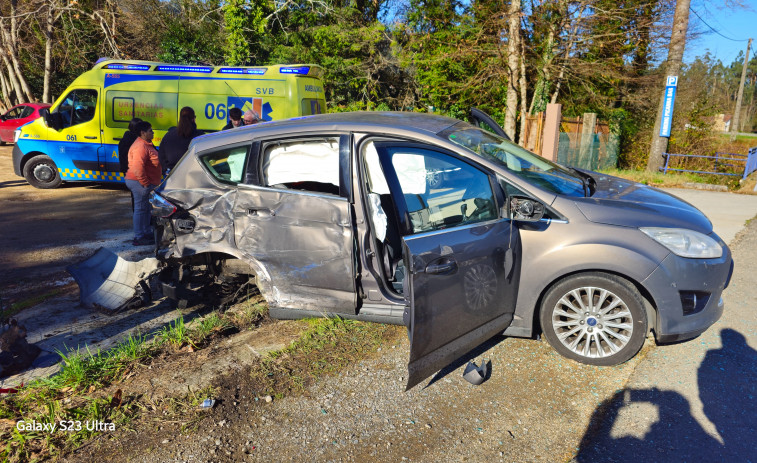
(305, 242)
(299, 244)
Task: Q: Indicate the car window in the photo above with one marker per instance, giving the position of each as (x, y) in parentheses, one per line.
(307, 165)
(14, 113)
(226, 165)
(27, 111)
(441, 191)
(522, 163)
(78, 107)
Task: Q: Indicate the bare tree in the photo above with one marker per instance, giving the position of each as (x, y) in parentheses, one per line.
(513, 39)
(735, 127)
(672, 68)
(9, 27)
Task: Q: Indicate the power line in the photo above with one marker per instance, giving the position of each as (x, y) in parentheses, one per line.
(713, 29)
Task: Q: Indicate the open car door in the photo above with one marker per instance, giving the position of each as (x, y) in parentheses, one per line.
(462, 291)
(483, 120)
(460, 252)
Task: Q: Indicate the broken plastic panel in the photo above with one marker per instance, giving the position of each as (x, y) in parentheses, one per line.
(110, 283)
(475, 374)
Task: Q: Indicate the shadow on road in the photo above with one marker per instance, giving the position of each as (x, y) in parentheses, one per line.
(727, 379)
(478, 351)
(12, 183)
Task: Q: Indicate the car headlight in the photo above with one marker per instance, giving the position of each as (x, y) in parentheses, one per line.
(16, 135)
(685, 243)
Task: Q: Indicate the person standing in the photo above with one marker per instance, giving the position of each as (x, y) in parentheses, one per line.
(251, 117)
(176, 141)
(235, 119)
(143, 176)
(123, 150)
(125, 143)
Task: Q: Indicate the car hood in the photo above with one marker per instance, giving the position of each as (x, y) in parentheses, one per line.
(617, 201)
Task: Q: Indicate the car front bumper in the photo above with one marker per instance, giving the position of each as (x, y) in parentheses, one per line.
(687, 294)
(17, 155)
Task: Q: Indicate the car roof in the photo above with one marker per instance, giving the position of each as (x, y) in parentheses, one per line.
(369, 121)
(33, 105)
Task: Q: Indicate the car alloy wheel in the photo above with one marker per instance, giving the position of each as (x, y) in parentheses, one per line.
(594, 318)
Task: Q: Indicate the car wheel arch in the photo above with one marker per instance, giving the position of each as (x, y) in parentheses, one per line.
(623, 303)
(230, 261)
(28, 157)
(649, 303)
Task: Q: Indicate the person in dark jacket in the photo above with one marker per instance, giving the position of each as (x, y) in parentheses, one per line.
(125, 143)
(176, 141)
(235, 119)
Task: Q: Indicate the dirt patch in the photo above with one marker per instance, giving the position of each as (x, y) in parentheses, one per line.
(232, 367)
(749, 185)
(191, 370)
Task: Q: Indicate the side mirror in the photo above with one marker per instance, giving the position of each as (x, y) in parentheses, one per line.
(43, 113)
(526, 209)
(53, 120)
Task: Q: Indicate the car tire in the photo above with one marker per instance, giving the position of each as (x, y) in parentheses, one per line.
(608, 331)
(41, 172)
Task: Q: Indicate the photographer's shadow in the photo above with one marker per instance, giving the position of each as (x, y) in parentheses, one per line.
(726, 379)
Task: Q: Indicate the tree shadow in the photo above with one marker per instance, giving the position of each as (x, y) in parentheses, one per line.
(12, 183)
(726, 378)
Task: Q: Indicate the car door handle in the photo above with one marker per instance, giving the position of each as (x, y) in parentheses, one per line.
(262, 212)
(90, 138)
(441, 266)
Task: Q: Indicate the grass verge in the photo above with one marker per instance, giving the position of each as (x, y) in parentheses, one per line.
(71, 402)
(658, 178)
(75, 397)
(17, 307)
(326, 346)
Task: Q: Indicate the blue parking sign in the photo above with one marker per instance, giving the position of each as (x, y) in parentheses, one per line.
(667, 107)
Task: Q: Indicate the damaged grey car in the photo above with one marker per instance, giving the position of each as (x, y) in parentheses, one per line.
(443, 227)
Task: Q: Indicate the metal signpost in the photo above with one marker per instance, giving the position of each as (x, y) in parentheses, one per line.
(667, 109)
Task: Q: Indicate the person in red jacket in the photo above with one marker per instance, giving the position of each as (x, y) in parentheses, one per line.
(143, 176)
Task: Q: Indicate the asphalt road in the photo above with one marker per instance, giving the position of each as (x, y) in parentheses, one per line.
(694, 401)
(44, 230)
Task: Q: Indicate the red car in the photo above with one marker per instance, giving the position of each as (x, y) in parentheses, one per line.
(17, 116)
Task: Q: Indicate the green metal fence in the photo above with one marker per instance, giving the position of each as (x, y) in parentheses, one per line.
(599, 151)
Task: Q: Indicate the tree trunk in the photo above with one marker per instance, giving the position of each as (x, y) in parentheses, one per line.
(512, 67)
(672, 68)
(541, 89)
(11, 43)
(568, 47)
(49, 21)
(6, 92)
(523, 95)
(735, 127)
(15, 97)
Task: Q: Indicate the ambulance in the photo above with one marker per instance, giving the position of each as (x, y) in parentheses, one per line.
(77, 140)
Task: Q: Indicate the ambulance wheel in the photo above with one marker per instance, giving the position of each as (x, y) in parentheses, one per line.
(41, 172)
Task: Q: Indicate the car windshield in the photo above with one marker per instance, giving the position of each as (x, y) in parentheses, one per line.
(524, 164)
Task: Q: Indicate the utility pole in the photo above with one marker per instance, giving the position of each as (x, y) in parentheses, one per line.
(672, 68)
(737, 111)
